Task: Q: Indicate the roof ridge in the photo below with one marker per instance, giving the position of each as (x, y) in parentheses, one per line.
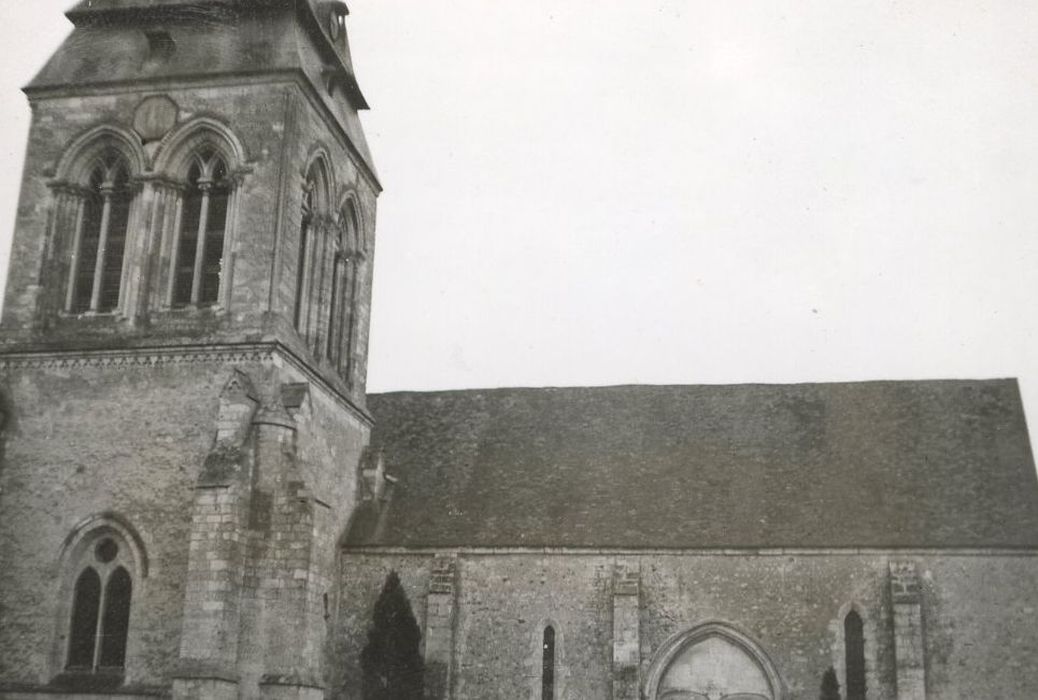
(593, 387)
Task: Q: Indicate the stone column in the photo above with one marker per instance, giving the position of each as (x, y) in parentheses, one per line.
(439, 627)
(626, 637)
(909, 644)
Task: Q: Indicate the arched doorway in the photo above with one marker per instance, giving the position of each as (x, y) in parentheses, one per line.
(710, 662)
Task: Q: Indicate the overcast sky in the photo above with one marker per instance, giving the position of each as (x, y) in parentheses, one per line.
(663, 191)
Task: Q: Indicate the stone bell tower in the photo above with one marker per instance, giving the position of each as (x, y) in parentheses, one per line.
(183, 352)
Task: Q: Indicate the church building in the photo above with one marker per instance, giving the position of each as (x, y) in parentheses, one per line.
(199, 500)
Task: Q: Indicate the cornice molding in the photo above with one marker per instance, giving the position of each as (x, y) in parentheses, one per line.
(135, 357)
(265, 353)
(994, 551)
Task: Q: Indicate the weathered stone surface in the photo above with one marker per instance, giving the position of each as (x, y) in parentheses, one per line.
(978, 609)
(172, 419)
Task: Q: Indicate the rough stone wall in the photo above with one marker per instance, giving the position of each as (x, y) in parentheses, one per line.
(361, 580)
(977, 613)
(85, 440)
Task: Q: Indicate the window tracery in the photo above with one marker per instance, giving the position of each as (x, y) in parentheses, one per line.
(319, 267)
(198, 263)
(102, 595)
(100, 230)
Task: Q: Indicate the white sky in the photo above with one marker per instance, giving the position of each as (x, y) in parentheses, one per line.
(664, 191)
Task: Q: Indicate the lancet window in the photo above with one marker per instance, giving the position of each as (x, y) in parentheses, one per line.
(304, 259)
(854, 644)
(548, 664)
(344, 275)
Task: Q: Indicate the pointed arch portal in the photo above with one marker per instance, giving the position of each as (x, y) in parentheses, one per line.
(713, 660)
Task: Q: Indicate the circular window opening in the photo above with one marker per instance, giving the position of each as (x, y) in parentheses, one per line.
(106, 550)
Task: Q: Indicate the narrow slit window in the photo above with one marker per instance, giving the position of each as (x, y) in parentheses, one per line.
(302, 259)
(854, 643)
(548, 664)
(188, 243)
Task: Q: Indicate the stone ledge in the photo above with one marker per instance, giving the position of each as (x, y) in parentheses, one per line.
(16, 691)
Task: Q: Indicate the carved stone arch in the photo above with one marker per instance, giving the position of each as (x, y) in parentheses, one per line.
(676, 646)
(76, 163)
(82, 549)
(92, 526)
(179, 147)
(318, 169)
(349, 205)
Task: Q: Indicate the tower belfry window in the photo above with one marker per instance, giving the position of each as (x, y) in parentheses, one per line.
(303, 271)
(99, 241)
(198, 265)
(314, 263)
(343, 292)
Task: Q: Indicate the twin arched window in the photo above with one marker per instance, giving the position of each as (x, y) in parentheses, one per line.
(99, 239)
(100, 617)
(184, 217)
(198, 262)
(327, 261)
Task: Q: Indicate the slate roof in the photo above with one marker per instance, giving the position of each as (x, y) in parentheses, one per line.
(873, 464)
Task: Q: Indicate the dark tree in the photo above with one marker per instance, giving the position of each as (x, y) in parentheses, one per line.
(391, 663)
(830, 686)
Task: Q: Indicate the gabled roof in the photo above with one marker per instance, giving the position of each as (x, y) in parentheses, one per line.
(875, 464)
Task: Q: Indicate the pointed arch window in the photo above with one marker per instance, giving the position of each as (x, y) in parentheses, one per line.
(99, 241)
(548, 664)
(315, 264)
(303, 271)
(343, 292)
(198, 263)
(100, 615)
(854, 649)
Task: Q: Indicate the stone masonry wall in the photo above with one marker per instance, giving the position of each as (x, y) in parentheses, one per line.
(87, 440)
(977, 613)
(279, 128)
(86, 437)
